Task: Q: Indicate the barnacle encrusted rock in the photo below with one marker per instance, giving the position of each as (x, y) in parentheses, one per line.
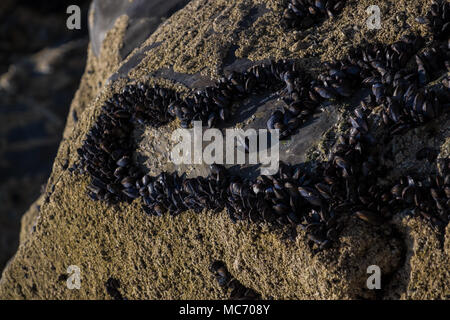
(170, 257)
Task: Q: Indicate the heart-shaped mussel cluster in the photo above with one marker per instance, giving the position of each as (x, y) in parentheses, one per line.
(313, 196)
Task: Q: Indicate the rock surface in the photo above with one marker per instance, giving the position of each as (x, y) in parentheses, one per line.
(169, 257)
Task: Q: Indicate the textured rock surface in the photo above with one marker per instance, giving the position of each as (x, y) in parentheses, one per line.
(169, 257)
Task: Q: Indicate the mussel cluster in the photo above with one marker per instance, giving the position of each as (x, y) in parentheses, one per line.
(311, 197)
(106, 153)
(213, 104)
(302, 14)
(429, 199)
(400, 90)
(174, 193)
(228, 282)
(438, 19)
(112, 288)
(300, 100)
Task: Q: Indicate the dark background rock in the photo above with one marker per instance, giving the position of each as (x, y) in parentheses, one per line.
(41, 63)
(29, 26)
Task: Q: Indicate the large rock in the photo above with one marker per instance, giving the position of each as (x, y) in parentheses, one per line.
(169, 257)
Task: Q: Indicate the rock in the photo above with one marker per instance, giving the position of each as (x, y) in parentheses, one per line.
(27, 28)
(296, 46)
(145, 17)
(122, 253)
(39, 73)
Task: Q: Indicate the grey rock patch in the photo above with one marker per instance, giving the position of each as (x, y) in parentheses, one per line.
(144, 17)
